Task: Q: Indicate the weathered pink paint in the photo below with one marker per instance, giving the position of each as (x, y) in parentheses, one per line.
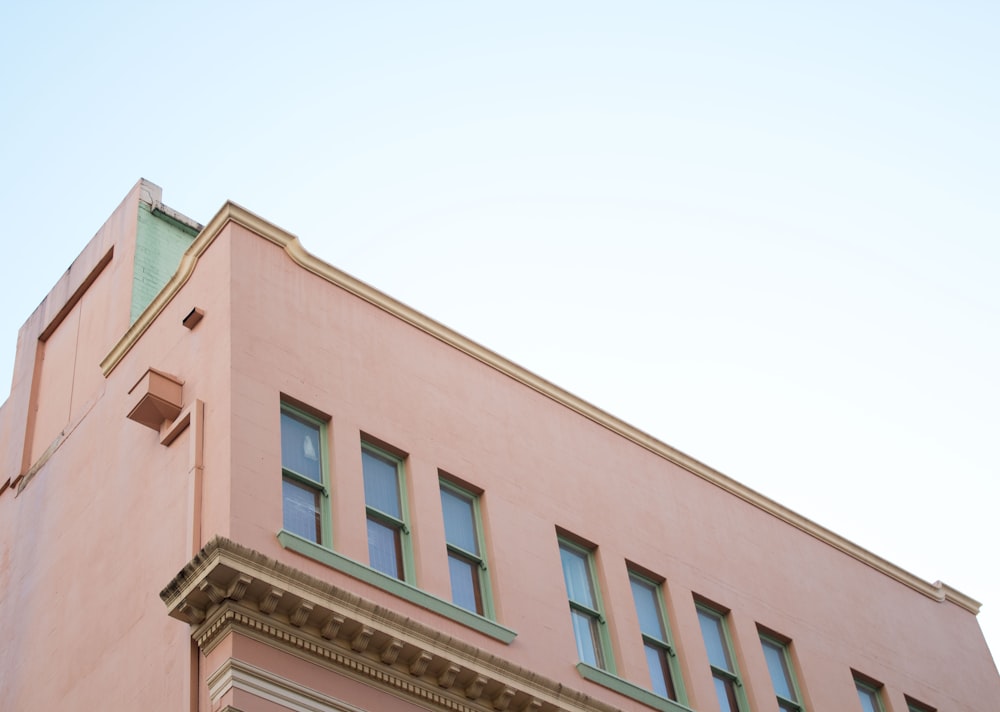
(92, 533)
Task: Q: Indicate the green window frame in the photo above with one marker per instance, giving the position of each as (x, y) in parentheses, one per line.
(463, 531)
(593, 645)
(386, 466)
(305, 493)
(869, 694)
(779, 664)
(721, 658)
(913, 705)
(661, 656)
(389, 547)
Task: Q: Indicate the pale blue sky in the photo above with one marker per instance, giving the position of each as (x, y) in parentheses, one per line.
(766, 233)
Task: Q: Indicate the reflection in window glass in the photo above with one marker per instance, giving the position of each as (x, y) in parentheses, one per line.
(387, 530)
(459, 520)
(466, 562)
(715, 638)
(381, 483)
(301, 510)
(654, 636)
(384, 551)
(576, 574)
(300, 446)
(303, 493)
(868, 696)
(585, 630)
(713, 631)
(588, 621)
(779, 665)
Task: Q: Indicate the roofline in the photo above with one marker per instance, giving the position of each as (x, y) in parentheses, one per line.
(231, 212)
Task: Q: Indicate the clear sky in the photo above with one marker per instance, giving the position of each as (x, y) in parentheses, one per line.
(766, 233)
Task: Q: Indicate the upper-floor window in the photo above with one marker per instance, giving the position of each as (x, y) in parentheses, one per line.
(586, 610)
(779, 664)
(868, 694)
(466, 557)
(307, 514)
(660, 656)
(303, 475)
(913, 706)
(385, 507)
(715, 632)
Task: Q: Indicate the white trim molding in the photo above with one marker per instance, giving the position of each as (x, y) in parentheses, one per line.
(238, 675)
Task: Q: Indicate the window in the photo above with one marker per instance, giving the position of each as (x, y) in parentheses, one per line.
(728, 687)
(303, 475)
(589, 627)
(913, 706)
(780, 666)
(868, 694)
(306, 526)
(388, 532)
(652, 622)
(466, 558)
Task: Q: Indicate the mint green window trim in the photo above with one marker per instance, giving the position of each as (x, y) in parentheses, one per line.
(475, 558)
(629, 689)
(869, 695)
(913, 706)
(730, 675)
(785, 703)
(400, 525)
(366, 574)
(591, 611)
(665, 640)
(320, 487)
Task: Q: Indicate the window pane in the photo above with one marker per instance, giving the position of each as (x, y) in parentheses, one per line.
(459, 523)
(585, 630)
(869, 699)
(778, 667)
(659, 672)
(576, 573)
(715, 641)
(384, 549)
(465, 590)
(300, 447)
(648, 609)
(726, 692)
(381, 483)
(301, 510)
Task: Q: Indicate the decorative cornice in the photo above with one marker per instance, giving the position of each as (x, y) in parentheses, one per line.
(229, 588)
(233, 213)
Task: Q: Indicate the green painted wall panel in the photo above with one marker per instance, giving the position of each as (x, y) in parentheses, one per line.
(160, 244)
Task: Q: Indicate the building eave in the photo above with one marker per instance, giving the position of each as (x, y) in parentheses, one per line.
(233, 213)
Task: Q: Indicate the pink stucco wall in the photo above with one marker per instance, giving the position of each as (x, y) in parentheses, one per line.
(88, 542)
(542, 466)
(92, 533)
(92, 536)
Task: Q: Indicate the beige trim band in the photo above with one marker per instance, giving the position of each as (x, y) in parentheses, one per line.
(231, 212)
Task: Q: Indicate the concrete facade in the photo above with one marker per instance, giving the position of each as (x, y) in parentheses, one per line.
(154, 553)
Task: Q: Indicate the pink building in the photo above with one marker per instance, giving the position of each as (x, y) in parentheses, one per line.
(233, 477)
